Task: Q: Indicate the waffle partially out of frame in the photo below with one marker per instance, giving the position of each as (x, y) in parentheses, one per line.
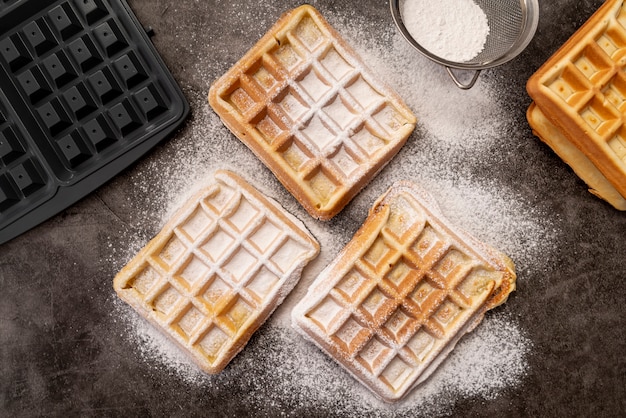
(570, 154)
(304, 103)
(581, 89)
(399, 296)
(217, 270)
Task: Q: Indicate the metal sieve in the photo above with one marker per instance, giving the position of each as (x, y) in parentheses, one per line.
(512, 24)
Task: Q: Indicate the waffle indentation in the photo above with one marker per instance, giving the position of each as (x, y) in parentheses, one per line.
(14, 52)
(8, 196)
(326, 314)
(264, 236)
(323, 186)
(240, 265)
(618, 145)
(286, 56)
(315, 85)
(110, 37)
(194, 271)
(39, 36)
(296, 155)
(336, 65)
(374, 355)
(84, 53)
(27, 177)
(190, 321)
(145, 280)
(104, 84)
(262, 284)
(74, 149)
(65, 20)
(599, 117)
(270, 129)
(265, 77)
(59, 68)
(615, 93)
(218, 244)
(238, 314)
(212, 343)
(92, 10)
(11, 147)
(345, 162)
(196, 224)
(351, 336)
(216, 291)
(167, 300)
(353, 286)
(34, 85)
(420, 345)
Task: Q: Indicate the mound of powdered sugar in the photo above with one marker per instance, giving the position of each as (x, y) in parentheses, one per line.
(455, 30)
(458, 132)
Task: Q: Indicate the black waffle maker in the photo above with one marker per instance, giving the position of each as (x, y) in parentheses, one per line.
(83, 94)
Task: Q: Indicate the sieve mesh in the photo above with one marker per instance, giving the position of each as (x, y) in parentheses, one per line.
(506, 22)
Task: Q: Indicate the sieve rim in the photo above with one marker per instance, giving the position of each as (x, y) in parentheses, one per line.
(530, 21)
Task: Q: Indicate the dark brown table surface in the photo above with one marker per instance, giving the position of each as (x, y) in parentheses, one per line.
(68, 347)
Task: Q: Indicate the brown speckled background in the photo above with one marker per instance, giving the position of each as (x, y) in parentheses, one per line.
(63, 354)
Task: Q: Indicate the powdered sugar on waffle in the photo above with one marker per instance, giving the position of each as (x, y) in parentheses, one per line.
(460, 134)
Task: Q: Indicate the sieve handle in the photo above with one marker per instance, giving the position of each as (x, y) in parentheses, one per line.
(459, 84)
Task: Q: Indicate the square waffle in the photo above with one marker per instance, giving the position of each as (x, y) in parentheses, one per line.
(217, 270)
(581, 89)
(403, 291)
(304, 103)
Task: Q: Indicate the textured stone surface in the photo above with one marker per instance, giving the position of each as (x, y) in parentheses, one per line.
(64, 351)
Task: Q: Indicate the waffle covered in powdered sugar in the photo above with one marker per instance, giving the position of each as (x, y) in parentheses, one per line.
(398, 297)
(217, 270)
(304, 103)
(579, 97)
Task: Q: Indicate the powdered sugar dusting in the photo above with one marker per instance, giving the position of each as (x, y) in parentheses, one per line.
(509, 224)
(280, 367)
(460, 136)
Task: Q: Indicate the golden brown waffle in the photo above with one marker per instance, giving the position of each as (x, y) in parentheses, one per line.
(399, 296)
(581, 89)
(582, 166)
(217, 270)
(304, 103)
